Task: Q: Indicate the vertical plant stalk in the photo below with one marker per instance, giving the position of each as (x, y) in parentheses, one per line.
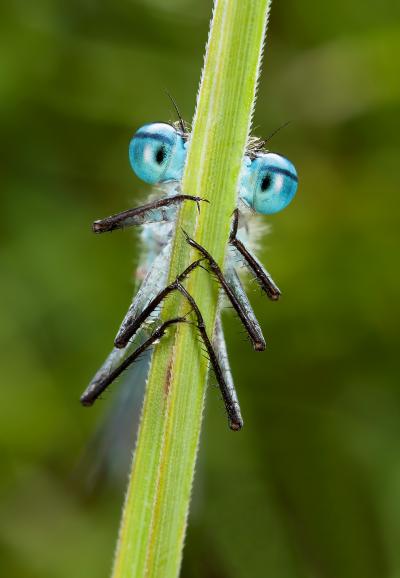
(157, 502)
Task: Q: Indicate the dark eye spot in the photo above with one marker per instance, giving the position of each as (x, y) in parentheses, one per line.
(160, 155)
(265, 183)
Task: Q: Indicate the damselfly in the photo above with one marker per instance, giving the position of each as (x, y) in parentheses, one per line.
(267, 184)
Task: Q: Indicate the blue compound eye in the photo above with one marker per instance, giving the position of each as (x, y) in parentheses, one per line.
(157, 153)
(269, 183)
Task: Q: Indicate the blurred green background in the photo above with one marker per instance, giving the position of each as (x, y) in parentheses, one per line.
(311, 486)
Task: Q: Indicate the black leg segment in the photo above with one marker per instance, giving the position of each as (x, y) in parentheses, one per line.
(96, 388)
(230, 400)
(252, 329)
(131, 327)
(154, 212)
(264, 279)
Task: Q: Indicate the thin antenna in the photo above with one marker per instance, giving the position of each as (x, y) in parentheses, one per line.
(276, 131)
(181, 122)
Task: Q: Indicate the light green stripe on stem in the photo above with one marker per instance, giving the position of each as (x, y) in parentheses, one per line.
(157, 502)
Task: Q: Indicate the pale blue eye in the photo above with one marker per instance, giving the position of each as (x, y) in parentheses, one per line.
(157, 153)
(269, 183)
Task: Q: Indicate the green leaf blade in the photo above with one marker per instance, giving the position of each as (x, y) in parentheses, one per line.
(156, 508)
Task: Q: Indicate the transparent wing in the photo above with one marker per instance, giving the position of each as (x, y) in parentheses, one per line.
(109, 451)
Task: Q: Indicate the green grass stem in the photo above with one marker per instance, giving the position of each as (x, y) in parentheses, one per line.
(157, 502)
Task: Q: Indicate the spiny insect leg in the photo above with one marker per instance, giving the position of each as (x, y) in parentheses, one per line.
(252, 329)
(97, 387)
(240, 294)
(227, 390)
(130, 328)
(264, 279)
(108, 373)
(153, 282)
(149, 285)
(110, 364)
(222, 355)
(153, 212)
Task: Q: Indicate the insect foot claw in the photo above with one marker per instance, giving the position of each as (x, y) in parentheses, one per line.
(198, 200)
(188, 239)
(235, 425)
(97, 227)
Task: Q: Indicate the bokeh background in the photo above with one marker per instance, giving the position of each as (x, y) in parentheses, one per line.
(311, 487)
